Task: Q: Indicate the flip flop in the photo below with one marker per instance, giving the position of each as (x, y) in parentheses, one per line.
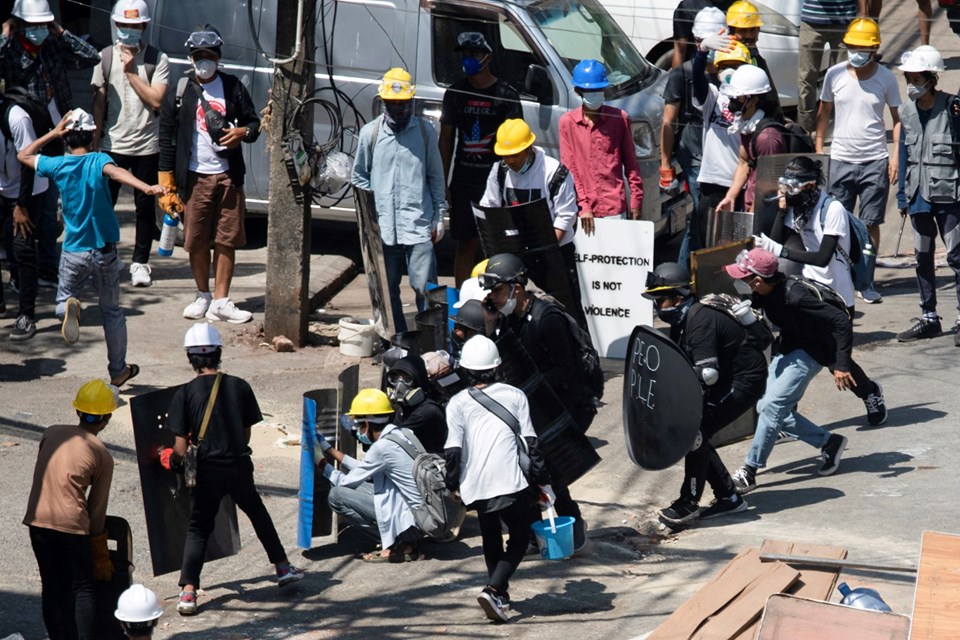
(131, 372)
(376, 557)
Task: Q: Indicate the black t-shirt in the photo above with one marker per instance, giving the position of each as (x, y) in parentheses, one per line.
(689, 139)
(476, 114)
(712, 334)
(684, 15)
(428, 422)
(234, 410)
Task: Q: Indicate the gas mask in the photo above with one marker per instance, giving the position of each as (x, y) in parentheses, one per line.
(205, 68)
(592, 100)
(36, 34)
(128, 37)
(402, 391)
(472, 66)
(859, 59)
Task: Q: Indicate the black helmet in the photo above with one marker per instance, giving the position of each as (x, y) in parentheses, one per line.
(470, 315)
(503, 267)
(669, 278)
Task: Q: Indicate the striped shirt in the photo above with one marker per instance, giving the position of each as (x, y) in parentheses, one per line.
(829, 11)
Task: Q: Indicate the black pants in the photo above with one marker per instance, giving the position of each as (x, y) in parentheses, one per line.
(214, 481)
(143, 168)
(710, 197)
(865, 386)
(565, 505)
(26, 253)
(704, 464)
(66, 575)
(518, 517)
(926, 227)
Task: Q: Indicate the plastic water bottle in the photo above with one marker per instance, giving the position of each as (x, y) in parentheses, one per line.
(862, 598)
(168, 236)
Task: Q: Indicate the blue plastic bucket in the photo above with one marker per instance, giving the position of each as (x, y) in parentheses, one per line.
(555, 546)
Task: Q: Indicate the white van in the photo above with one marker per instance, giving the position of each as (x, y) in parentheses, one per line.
(537, 44)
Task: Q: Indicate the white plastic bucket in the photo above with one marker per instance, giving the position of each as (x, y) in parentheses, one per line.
(356, 337)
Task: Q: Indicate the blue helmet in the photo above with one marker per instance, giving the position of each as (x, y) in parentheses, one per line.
(590, 74)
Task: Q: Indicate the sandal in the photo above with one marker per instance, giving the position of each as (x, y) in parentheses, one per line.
(376, 557)
(128, 374)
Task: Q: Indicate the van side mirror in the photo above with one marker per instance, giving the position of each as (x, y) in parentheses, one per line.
(538, 84)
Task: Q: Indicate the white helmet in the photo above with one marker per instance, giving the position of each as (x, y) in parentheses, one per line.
(138, 604)
(747, 80)
(470, 290)
(480, 354)
(921, 59)
(36, 11)
(709, 21)
(131, 12)
(202, 337)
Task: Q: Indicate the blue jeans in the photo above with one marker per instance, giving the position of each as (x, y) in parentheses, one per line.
(787, 380)
(421, 265)
(103, 266)
(691, 174)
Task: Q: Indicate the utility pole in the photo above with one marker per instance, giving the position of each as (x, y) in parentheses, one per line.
(287, 298)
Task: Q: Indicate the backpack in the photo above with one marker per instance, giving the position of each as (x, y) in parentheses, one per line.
(587, 357)
(797, 139)
(39, 116)
(757, 335)
(822, 291)
(440, 513)
(553, 187)
(860, 260)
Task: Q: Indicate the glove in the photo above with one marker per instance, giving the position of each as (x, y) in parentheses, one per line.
(165, 458)
(668, 180)
(716, 42)
(744, 313)
(322, 443)
(169, 201)
(547, 497)
(102, 565)
(763, 242)
(438, 231)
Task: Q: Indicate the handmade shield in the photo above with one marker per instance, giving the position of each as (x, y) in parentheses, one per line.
(166, 501)
(662, 401)
(321, 408)
(374, 267)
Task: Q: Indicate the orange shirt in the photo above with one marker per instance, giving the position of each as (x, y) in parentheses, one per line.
(71, 461)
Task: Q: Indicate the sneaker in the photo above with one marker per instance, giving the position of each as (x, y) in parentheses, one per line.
(288, 575)
(744, 480)
(24, 329)
(682, 510)
(14, 287)
(723, 506)
(187, 606)
(492, 605)
(876, 407)
(225, 310)
(923, 328)
(831, 454)
(870, 295)
(140, 274)
(197, 309)
(579, 534)
(785, 437)
(70, 330)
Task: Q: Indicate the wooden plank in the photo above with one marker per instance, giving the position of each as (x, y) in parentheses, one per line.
(936, 604)
(748, 606)
(790, 618)
(817, 583)
(735, 576)
(828, 563)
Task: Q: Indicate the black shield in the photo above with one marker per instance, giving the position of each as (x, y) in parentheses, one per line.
(662, 401)
(371, 246)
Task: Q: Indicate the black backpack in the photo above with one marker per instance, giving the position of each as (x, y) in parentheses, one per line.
(587, 356)
(756, 335)
(822, 291)
(39, 116)
(553, 187)
(797, 139)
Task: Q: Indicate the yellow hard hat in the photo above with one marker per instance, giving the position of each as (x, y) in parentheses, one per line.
(862, 32)
(397, 84)
(95, 398)
(737, 53)
(513, 136)
(370, 402)
(480, 268)
(744, 15)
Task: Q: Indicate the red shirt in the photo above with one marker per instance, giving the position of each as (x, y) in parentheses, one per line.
(769, 142)
(597, 156)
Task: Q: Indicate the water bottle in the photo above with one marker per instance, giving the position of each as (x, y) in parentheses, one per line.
(168, 236)
(862, 598)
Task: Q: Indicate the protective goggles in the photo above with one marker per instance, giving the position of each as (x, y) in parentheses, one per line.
(395, 377)
(203, 40)
(793, 185)
(473, 40)
(746, 263)
(657, 284)
(490, 280)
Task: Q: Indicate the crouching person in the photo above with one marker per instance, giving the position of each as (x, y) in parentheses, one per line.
(377, 493)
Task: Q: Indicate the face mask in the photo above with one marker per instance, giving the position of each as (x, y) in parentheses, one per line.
(364, 439)
(742, 288)
(735, 105)
(914, 92)
(128, 37)
(676, 314)
(511, 304)
(592, 100)
(526, 167)
(472, 66)
(805, 200)
(36, 34)
(397, 114)
(205, 68)
(859, 59)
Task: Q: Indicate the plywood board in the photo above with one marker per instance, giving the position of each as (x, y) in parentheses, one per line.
(815, 583)
(790, 618)
(936, 604)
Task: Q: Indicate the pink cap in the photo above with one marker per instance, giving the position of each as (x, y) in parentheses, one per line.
(759, 262)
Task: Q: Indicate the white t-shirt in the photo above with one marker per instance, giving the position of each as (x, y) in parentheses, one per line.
(489, 464)
(859, 134)
(836, 274)
(203, 152)
(21, 128)
(721, 149)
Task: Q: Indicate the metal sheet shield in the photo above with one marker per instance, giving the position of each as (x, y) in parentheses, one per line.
(662, 401)
(373, 265)
(321, 408)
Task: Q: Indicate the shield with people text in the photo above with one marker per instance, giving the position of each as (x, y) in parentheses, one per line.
(662, 401)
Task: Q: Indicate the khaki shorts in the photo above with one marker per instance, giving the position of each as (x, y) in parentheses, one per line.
(213, 213)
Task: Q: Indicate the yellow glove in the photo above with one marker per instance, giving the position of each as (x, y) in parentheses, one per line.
(102, 565)
(169, 201)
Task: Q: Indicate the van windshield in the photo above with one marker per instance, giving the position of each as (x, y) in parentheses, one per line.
(584, 30)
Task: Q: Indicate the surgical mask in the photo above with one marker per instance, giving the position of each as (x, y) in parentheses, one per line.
(526, 167)
(511, 304)
(128, 37)
(914, 92)
(592, 100)
(397, 114)
(36, 34)
(471, 65)
(742, 288)
(364, 439)
(205, 68)
(859, 59)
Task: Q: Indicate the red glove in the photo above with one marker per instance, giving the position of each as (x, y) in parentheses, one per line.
(165, 455)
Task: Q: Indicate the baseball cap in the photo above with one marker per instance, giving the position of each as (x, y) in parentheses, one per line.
(759, 262)
(80, 120)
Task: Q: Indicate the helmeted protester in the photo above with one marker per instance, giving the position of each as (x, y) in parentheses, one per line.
(732, 372)
(408, 387)
(138, 611)
(685, 34)
(744, 21)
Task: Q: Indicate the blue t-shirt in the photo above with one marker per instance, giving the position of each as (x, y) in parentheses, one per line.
(88, 217)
